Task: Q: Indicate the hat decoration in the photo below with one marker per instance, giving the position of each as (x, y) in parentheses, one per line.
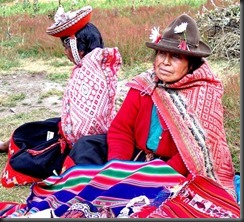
(67, 24)
(61, 17)
(155, 36)
(182, 29)
(181, 36)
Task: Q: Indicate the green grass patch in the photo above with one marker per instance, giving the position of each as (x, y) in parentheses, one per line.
(52, 92)
(57, 77)
(50, 7)
(11, 100)
(7, 63)
(60, 63)
(128, 72)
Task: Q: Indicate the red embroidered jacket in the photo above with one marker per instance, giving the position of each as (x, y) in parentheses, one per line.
(128, 130)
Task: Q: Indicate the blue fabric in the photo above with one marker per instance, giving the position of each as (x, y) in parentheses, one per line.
(155, 132)
(161, 197)
(112, 185)
(237, 187)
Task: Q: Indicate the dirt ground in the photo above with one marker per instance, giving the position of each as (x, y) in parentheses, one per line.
(31, 81)
(32, 86)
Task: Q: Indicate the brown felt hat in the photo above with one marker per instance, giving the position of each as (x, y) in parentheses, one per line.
(182, 37)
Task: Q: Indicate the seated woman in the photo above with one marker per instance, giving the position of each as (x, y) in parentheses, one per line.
(88, 101)
(88, 104)
(174, 110)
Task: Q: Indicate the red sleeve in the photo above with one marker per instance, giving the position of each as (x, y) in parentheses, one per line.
(177, 163)
(121, 138)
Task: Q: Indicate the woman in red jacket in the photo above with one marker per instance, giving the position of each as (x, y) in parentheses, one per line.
(173, 111)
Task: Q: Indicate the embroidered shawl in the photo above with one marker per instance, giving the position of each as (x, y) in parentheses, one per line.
(192, 109)
(89, 97)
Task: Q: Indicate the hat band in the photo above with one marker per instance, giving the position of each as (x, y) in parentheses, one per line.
(74, 50)
(177, 42)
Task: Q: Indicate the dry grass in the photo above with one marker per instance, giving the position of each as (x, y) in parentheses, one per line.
(232, 116)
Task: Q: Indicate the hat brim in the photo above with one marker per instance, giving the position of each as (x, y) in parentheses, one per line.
(70, 27)
(202, 51)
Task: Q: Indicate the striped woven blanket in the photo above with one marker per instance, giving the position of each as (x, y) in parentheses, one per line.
(112, 185)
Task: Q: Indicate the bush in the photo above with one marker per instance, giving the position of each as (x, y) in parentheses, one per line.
(220, 27)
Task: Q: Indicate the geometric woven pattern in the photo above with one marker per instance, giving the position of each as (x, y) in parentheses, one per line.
(89, 98)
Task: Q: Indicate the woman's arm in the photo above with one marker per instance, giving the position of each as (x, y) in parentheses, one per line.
(121, 138)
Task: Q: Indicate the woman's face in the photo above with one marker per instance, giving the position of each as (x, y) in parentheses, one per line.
(170, 67)
(68, 52)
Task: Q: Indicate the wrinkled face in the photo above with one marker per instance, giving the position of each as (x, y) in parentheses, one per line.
(170, 67)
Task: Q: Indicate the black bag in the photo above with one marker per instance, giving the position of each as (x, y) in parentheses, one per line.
(90, 149)
(38, 154)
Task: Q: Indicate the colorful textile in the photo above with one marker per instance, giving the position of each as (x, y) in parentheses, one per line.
(7, 208)
(199, 197)
(110, 186)
(81, 210)
(89, 98)
(141, 207)
(192, 109)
